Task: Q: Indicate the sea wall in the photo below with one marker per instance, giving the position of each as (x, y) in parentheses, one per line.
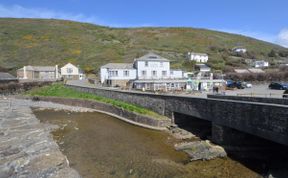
(131, 117)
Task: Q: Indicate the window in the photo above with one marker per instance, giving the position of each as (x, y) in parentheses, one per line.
(113, 73)
(146, 63)
(126, 73)
(154, 73)
(171, 73)
(69, 70)
(164, 73)
(161, 64)
(144, 72)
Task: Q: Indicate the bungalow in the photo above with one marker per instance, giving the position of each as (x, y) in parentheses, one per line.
(38, 73)
(71, 72)
(7, 78)
(117, 74)
(239, 50)
(261, 64)
(198, 57)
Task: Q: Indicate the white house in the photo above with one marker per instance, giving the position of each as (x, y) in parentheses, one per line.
(152, 66)
(203, 68)
(176, 74)
(261, 64)
(198, 57)
(71, 72)
(117, 74)
(239, 50)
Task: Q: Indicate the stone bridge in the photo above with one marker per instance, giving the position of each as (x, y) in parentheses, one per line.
(262, 119)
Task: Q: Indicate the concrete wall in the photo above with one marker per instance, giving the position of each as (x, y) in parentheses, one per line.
(269, 121)
(251, 99)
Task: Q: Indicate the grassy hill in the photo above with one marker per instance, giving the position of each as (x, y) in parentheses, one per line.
(50, 42)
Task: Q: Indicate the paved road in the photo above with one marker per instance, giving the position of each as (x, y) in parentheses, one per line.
(259, 90)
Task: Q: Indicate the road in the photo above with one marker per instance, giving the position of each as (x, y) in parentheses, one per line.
(258, 90)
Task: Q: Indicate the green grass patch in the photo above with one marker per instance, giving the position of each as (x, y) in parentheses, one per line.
(59, 90)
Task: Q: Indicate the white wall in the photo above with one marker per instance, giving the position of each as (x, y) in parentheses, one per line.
(197, 57)
(64, 71)
(176, 74)
(105, 74)
(153, 66)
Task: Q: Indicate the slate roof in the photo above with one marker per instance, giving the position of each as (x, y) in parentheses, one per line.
(151, 57)
(118, 66)
(6, 76)
(201, 54)
(40, 68)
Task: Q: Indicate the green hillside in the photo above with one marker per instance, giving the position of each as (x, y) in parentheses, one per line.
(50, 42)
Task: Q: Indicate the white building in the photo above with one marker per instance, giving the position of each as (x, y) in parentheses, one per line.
(117, 74)
(152, 66)
(261, 64)
(176, 74)
(198, 57)
(71, 72)
(203, 68)
(239, 50)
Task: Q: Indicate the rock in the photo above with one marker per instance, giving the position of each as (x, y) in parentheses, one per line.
(180, 134)
(201, 150)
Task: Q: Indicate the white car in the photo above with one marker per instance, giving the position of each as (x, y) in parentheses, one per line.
(247, 85)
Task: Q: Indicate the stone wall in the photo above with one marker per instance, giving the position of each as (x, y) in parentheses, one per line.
(269, 121)
(134, 117)
(251, 99)
(15, 88)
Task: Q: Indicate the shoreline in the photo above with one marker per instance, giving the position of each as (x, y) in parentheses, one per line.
(124, 115)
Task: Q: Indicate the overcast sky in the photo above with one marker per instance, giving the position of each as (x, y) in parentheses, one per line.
(263, 19)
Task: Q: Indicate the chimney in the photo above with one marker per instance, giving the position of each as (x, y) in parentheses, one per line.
(24, 73)
(56, 72)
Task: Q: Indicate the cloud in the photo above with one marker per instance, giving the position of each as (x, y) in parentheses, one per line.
(282, 37)
(17, 11)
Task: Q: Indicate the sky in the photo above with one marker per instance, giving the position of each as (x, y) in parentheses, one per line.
(262, 19)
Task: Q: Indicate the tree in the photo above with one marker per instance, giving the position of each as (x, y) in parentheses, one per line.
(272, 53)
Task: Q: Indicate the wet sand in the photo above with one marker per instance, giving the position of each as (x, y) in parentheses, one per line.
(98, 145)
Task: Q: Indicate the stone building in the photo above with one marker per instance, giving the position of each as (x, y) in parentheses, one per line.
(7, 78)
(38, 73)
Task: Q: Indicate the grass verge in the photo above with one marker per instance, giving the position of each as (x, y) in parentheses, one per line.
(59, 90)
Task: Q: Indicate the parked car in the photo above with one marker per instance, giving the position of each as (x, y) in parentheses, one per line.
(233, 84)
(278, 86)
(247, 85)
(285, 94)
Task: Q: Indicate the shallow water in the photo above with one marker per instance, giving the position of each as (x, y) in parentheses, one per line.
(98, 145)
